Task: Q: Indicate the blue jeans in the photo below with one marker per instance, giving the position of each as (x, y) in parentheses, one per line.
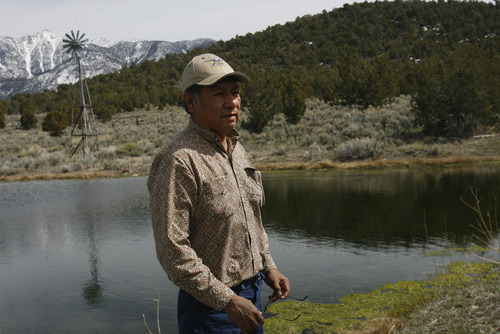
(196, 317)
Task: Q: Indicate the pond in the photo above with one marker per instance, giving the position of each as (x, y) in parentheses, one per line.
(77, 256)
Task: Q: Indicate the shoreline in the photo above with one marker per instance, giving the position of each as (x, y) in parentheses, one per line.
(444, 162)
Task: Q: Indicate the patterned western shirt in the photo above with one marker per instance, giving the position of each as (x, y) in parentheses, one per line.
(205, 207)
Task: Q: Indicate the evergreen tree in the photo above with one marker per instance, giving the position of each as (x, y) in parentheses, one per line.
(262, 100)
(2, 119)
(459, 95)
(5, 107)
(293, 99)
(366, 83)
(326, 83)
(355, 74)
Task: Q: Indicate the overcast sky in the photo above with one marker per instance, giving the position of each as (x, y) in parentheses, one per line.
(166, 20)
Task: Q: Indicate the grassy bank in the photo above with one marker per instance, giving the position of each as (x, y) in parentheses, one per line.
(463, 298)
(326, 137)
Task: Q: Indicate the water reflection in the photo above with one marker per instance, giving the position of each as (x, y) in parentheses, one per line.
(93, 293)
(77, 256)
(376, 208)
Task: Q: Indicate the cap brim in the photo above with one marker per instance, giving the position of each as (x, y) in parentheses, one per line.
(240, 77)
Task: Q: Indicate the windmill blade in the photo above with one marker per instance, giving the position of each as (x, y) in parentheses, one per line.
(74, 43)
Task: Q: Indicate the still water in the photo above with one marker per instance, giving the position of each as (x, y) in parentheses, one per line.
(77, 256)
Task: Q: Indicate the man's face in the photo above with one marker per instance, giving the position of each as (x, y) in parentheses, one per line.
(219, 107)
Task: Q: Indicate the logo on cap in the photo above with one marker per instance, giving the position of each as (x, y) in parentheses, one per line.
(216, 62)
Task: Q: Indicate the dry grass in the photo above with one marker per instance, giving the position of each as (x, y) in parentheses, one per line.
(474, 309)
(327, 137)
(471, 309)
(127, 145)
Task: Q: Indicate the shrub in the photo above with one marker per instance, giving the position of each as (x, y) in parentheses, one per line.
(28, 120)
(55, 122)
(146, 146)
(129, 149)
(357, 149)
(107, 152)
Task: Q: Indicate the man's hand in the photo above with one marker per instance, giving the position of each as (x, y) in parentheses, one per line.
(244, 314)
(279, 283)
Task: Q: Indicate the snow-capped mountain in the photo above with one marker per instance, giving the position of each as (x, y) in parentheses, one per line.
(33, 63)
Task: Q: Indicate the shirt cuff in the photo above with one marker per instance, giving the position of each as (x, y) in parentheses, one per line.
(221, 303)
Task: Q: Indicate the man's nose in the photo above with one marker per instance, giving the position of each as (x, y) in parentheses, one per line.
(231, 101)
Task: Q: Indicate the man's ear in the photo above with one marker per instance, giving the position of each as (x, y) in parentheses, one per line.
(189, 101)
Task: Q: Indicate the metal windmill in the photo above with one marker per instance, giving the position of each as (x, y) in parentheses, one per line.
(85, 118)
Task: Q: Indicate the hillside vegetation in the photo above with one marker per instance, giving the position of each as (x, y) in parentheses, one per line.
(445, 55)
(325, 137)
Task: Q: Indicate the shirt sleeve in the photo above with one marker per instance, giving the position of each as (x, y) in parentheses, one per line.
(173, 189)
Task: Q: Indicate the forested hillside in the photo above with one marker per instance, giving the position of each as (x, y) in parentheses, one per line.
(445, 55)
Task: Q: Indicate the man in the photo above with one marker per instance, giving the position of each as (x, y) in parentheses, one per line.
(205, 205)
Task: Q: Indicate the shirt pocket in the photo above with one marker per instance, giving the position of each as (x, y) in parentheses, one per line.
(218, 199)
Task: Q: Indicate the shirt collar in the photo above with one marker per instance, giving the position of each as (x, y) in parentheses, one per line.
(212, 137)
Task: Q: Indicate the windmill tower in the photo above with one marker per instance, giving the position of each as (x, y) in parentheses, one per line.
(85, 119)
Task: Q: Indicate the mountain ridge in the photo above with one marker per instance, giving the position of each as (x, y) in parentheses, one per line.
(37, 62)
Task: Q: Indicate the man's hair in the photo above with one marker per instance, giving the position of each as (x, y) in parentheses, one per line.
(195, 92)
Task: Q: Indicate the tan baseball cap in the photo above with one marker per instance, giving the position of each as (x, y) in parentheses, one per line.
(207, 69)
